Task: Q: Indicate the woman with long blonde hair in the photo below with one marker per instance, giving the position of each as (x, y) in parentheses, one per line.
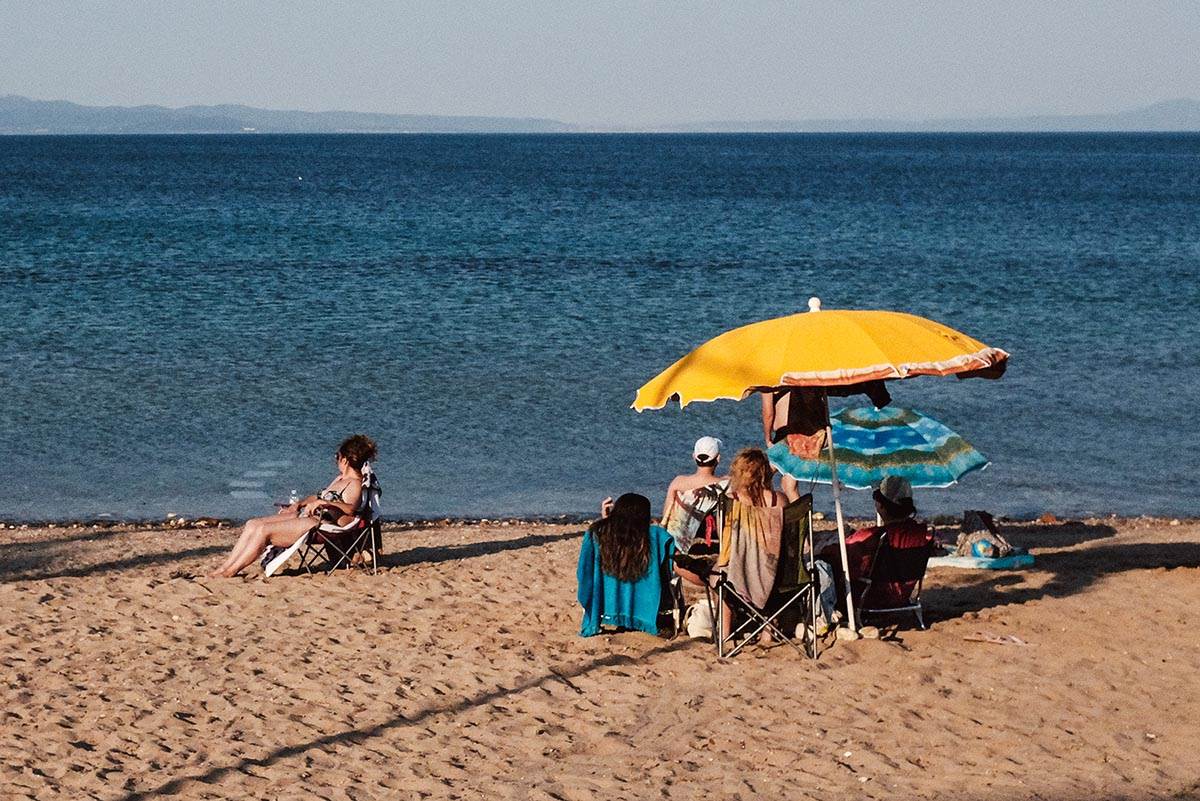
(751, 479)
(751, 483)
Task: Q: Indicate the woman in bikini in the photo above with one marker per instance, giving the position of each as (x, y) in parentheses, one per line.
(337, 501)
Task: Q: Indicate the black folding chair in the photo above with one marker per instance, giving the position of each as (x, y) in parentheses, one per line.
(672, 606)
(900, 572)
(793, 596)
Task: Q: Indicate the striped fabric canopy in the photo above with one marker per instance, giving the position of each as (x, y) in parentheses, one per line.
(833, 348)
(873, 443)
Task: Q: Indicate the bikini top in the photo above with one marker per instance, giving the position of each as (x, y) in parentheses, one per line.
(333, 495)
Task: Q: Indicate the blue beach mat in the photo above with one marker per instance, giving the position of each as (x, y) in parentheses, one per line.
(1012, 562)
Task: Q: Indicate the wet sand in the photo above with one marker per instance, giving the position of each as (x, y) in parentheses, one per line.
(457, 672)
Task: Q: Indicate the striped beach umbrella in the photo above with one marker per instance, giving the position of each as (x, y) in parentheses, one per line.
(870, 444)
(831, 348)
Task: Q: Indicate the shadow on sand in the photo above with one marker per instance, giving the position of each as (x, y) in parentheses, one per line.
(39, 566)
(1071, 571)
(432, 554)
(358, 736)
(34, 561)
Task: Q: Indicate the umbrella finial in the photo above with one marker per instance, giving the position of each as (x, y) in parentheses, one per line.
(814, 303)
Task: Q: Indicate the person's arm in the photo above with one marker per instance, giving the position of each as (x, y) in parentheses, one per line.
(790, 487)
(672, 494)
(768, 416)
(347, 506)
(305, 505)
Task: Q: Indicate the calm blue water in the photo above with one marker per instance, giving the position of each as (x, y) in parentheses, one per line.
(192, 324)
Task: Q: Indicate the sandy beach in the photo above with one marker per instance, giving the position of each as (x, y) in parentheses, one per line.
(457, 672)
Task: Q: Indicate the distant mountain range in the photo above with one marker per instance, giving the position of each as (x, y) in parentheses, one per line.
(1169, 115)
(21, 115)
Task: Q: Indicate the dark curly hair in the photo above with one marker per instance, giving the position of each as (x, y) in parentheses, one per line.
(357, 449)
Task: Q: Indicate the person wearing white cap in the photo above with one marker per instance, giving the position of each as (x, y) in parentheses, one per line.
(684, 509)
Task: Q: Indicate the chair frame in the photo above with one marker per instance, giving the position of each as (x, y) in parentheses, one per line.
(672, 590)
(755, 619)
(322, 538)
(914, 598)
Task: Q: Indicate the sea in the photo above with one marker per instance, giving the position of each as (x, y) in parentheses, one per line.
(192, 324)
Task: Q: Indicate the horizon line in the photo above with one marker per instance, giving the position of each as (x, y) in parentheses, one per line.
(736, 125)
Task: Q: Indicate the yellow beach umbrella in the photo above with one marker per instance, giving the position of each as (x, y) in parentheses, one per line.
(819, 349)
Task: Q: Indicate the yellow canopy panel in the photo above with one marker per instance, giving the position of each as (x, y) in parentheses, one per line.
(817, 348)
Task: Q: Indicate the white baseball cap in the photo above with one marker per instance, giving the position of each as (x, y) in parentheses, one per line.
(707, 449)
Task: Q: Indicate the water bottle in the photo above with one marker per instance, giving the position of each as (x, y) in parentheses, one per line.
(294, 497)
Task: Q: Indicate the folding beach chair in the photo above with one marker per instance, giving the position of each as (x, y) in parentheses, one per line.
(672, 606)
(897, 573)
(338, 544)
(793, 597)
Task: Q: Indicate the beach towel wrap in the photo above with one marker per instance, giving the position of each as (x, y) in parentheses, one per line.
(608, 601)
(750, 550)
(693, 515)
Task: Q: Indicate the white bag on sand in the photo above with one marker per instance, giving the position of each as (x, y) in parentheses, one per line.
(700, 621)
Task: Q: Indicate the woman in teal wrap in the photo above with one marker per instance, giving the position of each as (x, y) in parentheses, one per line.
(624, 564)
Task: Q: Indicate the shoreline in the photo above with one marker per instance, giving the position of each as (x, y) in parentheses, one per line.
(421, 523)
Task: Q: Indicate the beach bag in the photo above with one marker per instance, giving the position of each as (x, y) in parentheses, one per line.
(700, 621)
(980, 537)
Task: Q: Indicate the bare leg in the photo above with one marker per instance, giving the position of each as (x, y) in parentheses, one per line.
(249, 532)
(250, 541)
(275, 532)
(689, 576)
(726, 620)
(726, 611)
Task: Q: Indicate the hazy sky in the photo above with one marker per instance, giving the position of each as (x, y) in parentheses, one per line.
(609, 62)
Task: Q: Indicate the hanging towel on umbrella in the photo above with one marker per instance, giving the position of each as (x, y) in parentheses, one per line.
(798, 419)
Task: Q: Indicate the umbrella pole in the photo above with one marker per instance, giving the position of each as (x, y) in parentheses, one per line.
(841, 522)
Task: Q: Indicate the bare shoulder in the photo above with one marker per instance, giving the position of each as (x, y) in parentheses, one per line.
(692, 482)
